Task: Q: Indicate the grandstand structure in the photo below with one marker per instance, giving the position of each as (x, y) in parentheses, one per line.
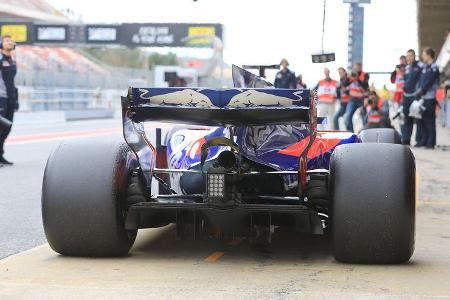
(53, 77)
(29, 10)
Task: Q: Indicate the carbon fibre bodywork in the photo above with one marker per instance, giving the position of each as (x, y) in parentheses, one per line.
(275, 146)
(271, 126)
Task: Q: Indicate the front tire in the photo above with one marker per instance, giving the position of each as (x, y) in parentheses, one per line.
(373, 203)
(84, 198)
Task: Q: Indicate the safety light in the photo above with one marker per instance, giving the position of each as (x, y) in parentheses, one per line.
(216, 185)
(322, 56)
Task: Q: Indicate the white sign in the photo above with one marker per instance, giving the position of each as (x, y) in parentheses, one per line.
(153, 35)
(51, 33)
(102, 34)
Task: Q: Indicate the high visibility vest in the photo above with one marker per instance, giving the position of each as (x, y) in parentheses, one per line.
(399, 81)
(356, 90)
(374, 117)
(327, 91)
(345, 97)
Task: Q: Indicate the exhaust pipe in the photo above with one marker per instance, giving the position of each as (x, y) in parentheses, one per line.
(227, 159)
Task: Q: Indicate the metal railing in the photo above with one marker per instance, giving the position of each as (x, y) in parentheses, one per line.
(44, 99)
(109, 78)
(52, 89)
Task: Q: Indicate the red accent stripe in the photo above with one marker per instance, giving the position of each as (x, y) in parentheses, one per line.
(19, 139)
(320, 145)
(60, 135)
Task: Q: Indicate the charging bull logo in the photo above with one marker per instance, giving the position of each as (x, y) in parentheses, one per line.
(257, 98)
(186, 97)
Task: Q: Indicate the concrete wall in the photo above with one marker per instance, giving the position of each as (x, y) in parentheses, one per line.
(433, 22)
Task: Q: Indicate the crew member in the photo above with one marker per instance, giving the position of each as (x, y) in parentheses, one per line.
(397, 77)
(326, 94)
(411, 78)
(343, 96)
(358, 86)
(8, 92)
(426, 90)
(285, 78)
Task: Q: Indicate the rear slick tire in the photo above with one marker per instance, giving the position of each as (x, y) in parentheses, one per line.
(373, 203)
(380, 135)
(84, 198)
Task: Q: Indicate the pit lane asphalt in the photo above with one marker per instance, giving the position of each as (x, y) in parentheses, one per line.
(159, 266)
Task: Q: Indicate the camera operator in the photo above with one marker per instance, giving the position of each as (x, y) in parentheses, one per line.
(359, 89)
(397, 77)
(8, 92)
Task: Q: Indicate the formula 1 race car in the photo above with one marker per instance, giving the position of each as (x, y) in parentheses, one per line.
(250, 162)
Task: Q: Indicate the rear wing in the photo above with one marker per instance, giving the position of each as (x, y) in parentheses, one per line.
(213, 107)
(219, 107)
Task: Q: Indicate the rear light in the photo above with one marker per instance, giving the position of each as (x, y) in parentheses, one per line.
(216, 185)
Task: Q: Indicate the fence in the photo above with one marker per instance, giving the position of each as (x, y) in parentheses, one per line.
(110, 78)
(43, 99)
(50, 89)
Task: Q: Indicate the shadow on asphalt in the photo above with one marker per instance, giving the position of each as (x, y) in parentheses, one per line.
(160, 244)
(285, 246)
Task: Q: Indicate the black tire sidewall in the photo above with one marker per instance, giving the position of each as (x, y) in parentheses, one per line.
(83, 198)
(373, 203)
(380, 135)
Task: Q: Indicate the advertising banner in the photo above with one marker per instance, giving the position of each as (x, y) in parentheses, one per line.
(129, 34)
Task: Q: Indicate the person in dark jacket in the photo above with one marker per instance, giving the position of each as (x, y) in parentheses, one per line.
(411, 78)
(426, 90)
(8, 92)
(285, 78)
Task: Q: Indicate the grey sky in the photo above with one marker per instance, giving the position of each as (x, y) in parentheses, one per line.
(264, 31)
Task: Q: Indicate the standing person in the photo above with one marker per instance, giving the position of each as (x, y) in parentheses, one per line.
(359, 86)
(397, 77)
(326, 94)
(411, 77)
(8, 92)
(426, 90)
(343, 96)
(285, 78)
